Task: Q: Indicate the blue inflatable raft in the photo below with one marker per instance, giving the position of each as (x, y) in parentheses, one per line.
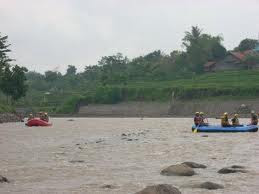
(231, 129)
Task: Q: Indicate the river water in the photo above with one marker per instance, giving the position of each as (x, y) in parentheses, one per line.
(83, 155)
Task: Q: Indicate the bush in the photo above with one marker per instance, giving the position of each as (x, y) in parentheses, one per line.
(6, 109)
(70, 105)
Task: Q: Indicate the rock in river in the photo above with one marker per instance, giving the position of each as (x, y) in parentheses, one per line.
(238, 166)
(160, 189)
(76, 161)
(194, 165)
(232, 169)
(108, 186)
(178, 170)
(210, 186)
(3, 179)
(206, 185)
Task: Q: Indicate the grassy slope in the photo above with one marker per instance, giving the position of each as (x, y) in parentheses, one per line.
(236, 83)
(213, 86)
(242, 79)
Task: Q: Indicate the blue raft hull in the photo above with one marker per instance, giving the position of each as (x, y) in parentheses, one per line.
(219, 128)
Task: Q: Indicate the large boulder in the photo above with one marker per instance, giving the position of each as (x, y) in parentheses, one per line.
(160, 189)
(178, 170)
(194, 165)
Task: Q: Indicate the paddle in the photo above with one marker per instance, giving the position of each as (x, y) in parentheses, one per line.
(196, 129)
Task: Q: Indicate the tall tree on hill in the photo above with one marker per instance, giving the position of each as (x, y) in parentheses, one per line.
(71, 70)
(202, 47)
(246, 44)
(4, 50)
(13, 82)
(195, 52)
(113, 68)
(51, 76)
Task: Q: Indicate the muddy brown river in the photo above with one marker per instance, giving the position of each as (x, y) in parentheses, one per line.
(84, 155)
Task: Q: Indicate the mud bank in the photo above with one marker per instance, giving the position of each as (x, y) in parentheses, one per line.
(176, 108)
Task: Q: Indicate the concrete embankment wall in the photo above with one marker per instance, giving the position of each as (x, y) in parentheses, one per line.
(126, 109)
(176, 109)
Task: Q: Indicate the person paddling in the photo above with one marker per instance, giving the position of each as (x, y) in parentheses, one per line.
(235, 121)
(197, 119)
(224, 120)
(254, 118)
(202, 118)
(40, 115)
(45, 117)
(30, 117)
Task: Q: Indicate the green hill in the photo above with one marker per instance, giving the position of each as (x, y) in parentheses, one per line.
(238, 84)
(215, 86)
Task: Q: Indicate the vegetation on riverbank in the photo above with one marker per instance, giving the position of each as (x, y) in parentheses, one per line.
(6, 108)
(219, 86)
(237, 83)
(12, 77)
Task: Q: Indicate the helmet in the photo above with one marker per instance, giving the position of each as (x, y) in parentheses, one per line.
(30, 114)
(201, 113)
(236, 115)
(252, 112)
(45, 113)
(225, 114)
(197, 113)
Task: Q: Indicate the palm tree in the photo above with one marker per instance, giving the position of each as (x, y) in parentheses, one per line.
(192, 37)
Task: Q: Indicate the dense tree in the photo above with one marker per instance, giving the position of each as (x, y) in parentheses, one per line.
(12, 79)
(251, 60)
(4, 50)
(13, 82)
(51, 76)
(192, 38)
(92, 73)
(202, 47)
(112, 67)
(246, 44)
(36, 81)
(71, 70)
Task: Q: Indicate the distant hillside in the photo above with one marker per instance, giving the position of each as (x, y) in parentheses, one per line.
(221, 85)
(234, 83)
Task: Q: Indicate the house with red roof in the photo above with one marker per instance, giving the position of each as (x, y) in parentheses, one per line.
(232, 61)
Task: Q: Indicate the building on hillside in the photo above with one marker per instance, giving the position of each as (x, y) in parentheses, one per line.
(209, 66)
(232, 61)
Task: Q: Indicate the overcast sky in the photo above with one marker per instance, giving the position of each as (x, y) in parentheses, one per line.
(51, 34)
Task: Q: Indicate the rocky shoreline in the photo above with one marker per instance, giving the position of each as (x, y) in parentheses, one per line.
(10, 117)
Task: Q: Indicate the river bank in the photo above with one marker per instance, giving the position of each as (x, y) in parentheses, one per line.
(213, 108)
(10, 117)
(176, 108)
